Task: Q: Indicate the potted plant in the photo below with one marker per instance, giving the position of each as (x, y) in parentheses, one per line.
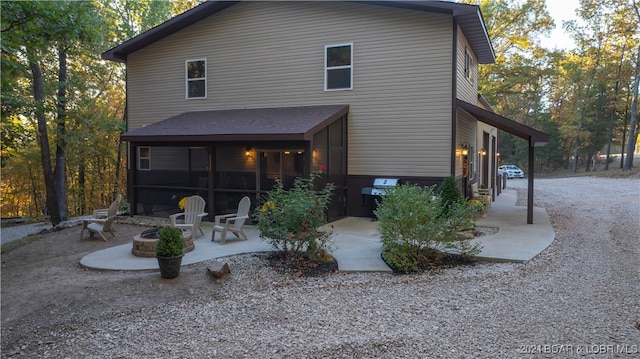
(169, 251)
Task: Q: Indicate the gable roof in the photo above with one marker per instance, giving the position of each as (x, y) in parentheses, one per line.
(468, 17)
(272, 124)
(537, 138)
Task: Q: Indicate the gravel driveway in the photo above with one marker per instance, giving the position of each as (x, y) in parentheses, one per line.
(581, 296)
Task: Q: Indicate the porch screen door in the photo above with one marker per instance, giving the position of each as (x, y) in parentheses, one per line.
(283, 164)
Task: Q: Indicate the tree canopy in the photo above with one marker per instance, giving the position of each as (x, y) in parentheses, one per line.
(63, 106)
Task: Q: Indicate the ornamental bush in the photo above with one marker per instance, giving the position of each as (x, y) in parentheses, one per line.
(450, 194)
(414, 228)
(170, 242)
(293, 221)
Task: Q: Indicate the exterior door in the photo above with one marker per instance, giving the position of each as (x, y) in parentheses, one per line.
(279, 164)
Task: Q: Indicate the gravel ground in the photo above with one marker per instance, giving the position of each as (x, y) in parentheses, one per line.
(578, 298)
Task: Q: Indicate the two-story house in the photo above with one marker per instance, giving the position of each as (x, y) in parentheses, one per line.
(228, 96)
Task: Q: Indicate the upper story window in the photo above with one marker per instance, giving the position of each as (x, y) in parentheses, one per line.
(338, 67)
(196, 78)
(144, 158)
(468, 64)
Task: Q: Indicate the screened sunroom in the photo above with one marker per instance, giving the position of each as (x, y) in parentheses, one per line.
(227, 154)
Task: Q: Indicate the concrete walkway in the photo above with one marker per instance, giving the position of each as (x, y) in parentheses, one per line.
(357, 244)
(516, 241)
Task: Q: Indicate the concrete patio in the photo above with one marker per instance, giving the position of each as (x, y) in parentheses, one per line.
(357, 246)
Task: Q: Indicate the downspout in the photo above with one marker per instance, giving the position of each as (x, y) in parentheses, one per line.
(132, 162)
(454, 94)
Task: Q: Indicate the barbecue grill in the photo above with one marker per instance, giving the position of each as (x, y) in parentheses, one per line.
(370, 194)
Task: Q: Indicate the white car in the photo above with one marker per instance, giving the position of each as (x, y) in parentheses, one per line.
(512, 171)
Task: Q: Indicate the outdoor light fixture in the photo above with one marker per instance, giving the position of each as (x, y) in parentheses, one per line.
(483, 152)
(464, 149)
(247, 151)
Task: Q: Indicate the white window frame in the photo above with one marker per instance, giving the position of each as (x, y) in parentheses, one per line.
(140, 158)
(468, 64)
(187, 79)
(327, 69)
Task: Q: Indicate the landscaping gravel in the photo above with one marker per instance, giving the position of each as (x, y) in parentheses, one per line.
(579, 297)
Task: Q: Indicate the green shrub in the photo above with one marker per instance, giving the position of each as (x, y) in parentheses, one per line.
(293, 220)
(450, 194)
(413, 228)
(170, 242)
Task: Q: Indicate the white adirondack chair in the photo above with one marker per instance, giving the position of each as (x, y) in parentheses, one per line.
(103, 225)
(232, 222)
(193, 214)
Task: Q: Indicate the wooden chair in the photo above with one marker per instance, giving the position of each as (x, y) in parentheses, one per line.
(102, 225)
(193, 214)
(482, 194)
(232, 222)
(104, 212)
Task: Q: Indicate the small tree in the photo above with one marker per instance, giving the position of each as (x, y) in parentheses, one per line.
(293, 220)
(450, 195)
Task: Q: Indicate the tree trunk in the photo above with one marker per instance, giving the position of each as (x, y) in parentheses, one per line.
(576, 148)
(612, 109)
(43, 138)
(633, 135)
(119, 159)
(60, 174)
(81, 187)
(34, 192)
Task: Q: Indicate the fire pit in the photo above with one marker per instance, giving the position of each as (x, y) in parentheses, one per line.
(144, 242)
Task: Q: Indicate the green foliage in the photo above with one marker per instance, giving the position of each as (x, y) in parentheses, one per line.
(412, 225)
(170, 242)
(477, 207)
(450, 194)
(293, 220)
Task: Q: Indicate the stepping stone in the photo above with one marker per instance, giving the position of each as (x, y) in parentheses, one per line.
(218, 269)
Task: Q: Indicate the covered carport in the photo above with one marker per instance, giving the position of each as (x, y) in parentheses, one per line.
(533, 136)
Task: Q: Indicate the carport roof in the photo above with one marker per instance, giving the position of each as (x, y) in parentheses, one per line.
(537, 138)
(258, 124)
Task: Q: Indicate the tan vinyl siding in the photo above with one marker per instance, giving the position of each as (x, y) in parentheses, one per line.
(467, 88)
(271, 54)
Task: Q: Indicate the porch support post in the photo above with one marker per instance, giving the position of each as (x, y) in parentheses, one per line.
(211, 184)
(530, 184)
(132, 164)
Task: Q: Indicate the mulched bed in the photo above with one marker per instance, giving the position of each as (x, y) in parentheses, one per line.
(434, 260)
(300, 267)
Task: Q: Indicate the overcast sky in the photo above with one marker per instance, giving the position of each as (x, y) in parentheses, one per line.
(560, 10)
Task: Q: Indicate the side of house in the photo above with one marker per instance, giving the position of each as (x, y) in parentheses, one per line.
(399, 69)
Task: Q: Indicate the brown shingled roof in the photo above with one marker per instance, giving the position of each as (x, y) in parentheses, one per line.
(537, 138)
(272, 124)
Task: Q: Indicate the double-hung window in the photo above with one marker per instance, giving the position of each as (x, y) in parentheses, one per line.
(468, 64)
(338, 67)
(144, 158)
(196, 78)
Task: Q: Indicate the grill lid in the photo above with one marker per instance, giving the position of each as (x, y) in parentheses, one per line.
(385, 182)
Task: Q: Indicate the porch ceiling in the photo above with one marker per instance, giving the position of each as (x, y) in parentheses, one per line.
(259, 124)
(536, 138)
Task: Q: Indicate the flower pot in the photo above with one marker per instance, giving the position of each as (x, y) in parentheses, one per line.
(169, 266)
